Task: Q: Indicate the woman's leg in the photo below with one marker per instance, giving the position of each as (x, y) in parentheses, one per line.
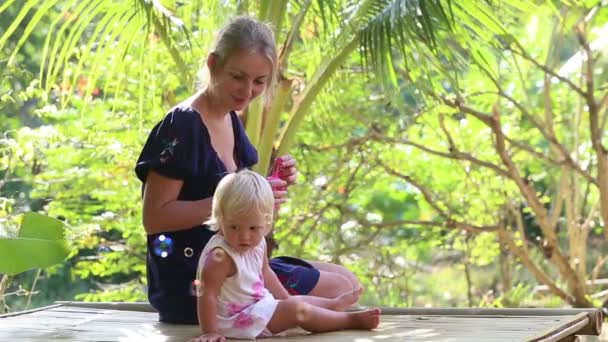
(338, 303)
(334, 280)
(291, 313)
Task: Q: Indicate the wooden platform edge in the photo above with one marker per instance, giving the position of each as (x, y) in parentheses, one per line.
(123, 306)
(595, 315)
(25, 312)
(585, 322)
(595, 318)
(579, 322)
(486, 311)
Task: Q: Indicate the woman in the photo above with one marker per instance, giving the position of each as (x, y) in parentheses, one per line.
(186, 155)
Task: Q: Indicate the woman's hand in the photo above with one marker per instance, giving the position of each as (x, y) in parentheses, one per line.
(287, 171)
(212, 337)
(283, 173)
(279, 190)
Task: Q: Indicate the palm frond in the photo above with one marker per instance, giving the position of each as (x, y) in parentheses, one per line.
(387, 24)
(383, 27)
(79, 30)
(29, 28)
(329, 14)
(293, 31)
(6, 5)
(163, 24)
(414, 25)
(274, 13)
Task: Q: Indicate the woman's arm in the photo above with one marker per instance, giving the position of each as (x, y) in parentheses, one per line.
(210, 281)
(162, 211)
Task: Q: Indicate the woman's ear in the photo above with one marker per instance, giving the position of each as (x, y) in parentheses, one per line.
(212, 63)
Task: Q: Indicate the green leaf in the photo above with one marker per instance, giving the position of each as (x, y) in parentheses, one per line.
(39, 244)
(22, 254)
(38, 226)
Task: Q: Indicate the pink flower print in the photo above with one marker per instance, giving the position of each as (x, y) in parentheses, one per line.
(242, 321)
(234, 308)
(258, 289)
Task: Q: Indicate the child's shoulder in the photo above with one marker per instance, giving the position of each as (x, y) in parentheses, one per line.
(216, 255)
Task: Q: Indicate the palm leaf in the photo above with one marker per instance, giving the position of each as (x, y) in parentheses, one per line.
(293, 31)
(402, 23)
(381, 26)
(369, 27)
(100, 26)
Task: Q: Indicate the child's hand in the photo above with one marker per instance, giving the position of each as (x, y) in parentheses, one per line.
(212, 337)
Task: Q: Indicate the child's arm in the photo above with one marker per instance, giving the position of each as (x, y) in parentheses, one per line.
(211, 276)
(272, 283)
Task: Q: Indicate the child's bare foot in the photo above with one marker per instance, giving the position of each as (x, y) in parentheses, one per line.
(346, 300)
(365, 320)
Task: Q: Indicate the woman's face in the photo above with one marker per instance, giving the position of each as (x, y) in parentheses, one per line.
(241, 79)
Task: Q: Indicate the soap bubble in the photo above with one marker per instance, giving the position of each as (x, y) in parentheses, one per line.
(196, 288)
(163, 246)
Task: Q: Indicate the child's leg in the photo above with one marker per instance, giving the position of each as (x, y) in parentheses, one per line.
(338, 303)
(291, 313)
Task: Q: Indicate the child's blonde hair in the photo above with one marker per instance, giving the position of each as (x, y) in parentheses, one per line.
(239, 193)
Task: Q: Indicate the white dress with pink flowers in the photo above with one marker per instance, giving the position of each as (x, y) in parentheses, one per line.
(245, 306)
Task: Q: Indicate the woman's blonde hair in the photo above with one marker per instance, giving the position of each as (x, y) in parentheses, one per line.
(244, 33)
(239, 193)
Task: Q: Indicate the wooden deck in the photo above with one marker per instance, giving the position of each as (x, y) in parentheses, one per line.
(71, 321)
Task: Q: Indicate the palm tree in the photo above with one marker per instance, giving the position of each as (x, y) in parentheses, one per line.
(384, 32)
(115, 44)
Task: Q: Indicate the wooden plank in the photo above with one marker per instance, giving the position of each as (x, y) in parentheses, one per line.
(128, 306)
(78, 323)
(577, 323)
(508, 312)
(25, 312)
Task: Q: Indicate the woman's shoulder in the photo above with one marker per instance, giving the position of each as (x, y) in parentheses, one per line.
(181, 115)
(180, 121)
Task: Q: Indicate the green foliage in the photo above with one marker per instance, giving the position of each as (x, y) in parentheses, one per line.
(367, 144)
(39, 243)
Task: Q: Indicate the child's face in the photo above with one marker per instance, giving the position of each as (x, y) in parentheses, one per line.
(245, 232)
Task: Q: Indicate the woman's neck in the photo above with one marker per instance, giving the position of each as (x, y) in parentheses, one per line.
(209, 106)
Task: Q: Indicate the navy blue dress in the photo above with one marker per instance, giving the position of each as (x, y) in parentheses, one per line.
(179, 147)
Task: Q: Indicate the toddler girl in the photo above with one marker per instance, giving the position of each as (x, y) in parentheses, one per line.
(239, 295)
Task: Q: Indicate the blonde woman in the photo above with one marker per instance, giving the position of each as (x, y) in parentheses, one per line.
(186, 155)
